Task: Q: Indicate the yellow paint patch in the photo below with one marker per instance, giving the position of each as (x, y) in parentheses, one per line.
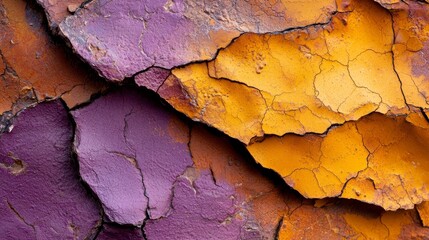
(214, 101)
(378, 159)
(309, 79)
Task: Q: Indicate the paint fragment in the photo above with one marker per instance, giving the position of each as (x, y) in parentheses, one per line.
(128, 156)
(331, 58)
(122, 38)
(377, 159)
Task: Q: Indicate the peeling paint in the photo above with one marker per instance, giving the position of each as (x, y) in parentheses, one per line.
(122, 38)
(126, 134)
(385, 166)
(32, 61)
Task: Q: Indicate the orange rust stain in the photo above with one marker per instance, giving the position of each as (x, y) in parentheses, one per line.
(269, 203)
(36, 62)
(263, 198)
(178, 130)
(58, 10)
(350, 220)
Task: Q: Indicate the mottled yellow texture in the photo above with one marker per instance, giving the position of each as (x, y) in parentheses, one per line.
(315, 77)
(379, 160)
(369, 228)
(219, 102)
(411, 51)
(311, 164)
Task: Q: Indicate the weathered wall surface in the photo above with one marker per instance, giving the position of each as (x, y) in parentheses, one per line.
(214, 119)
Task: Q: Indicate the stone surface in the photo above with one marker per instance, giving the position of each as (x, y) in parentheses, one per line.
(130, 152)
(33, 65)
(121, 38)
(41, 195)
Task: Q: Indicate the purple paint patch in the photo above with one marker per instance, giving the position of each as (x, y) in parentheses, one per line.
(153, 78)
(113, 232)
(122, 37)
(129, 155)
(203, 209)
(41, 195)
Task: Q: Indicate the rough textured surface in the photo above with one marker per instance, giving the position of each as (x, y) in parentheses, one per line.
(272, 210)
(120, 38)
(331, 95)
(350, 220)
(41, 195)
(58, 10)
(385, 166)
(152, 78)
(33, 65)
(411, 51)
(203, 209)
(262, 200)
(130, 152)
(290, 99)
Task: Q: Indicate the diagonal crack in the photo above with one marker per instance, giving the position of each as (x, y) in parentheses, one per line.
(20, 217)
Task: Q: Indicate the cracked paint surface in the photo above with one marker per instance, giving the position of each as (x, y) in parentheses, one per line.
(411, 51)
(347, 56)
(33, 66)
(350, 220)
(331, 95)
(386, 166)
(122, 38)
(41, 195)
(128, 135)
(206, 208)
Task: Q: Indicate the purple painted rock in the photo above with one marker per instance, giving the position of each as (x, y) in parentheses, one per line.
(122, 37)
(40, 191)
(114, 232)
(130, 151)
(203, 209)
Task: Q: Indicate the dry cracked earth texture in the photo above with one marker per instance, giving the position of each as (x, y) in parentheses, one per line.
(183, 119)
